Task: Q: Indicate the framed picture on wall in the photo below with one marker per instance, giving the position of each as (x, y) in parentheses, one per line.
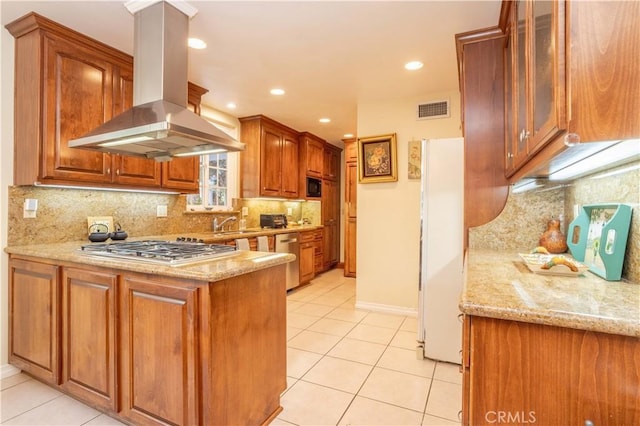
(377, 159)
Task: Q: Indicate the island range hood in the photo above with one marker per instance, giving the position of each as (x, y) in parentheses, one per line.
(159, 125)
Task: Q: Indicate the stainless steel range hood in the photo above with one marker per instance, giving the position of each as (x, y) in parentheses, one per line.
(159, 125)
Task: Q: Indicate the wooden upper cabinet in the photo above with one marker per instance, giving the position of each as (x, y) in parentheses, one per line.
(128, 170)
(67, 84)
(331, 163)
(311, 155)
(269, 163)
(574, 78)
(183, 174)
(604, 69)
(534, 78)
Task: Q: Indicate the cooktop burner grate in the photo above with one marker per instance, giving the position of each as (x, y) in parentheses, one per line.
(162, 252)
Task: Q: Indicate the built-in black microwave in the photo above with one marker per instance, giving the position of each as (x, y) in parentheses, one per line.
(314, 187)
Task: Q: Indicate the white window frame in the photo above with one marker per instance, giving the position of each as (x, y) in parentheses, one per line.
(233, 168)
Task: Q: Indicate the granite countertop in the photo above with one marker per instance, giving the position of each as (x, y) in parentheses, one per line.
(499, 285)
(238, 263)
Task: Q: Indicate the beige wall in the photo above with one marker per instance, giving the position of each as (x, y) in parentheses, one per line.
(388, 241)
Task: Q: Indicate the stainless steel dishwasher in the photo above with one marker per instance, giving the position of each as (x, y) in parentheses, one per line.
(290, 243)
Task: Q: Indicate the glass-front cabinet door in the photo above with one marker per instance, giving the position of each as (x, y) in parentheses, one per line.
(548, 115)
(535, 78)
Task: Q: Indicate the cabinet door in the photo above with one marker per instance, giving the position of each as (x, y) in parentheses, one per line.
(270, 162)
(289, 164)
(307, 259)
(350, 233)
(351, 208)
(182, 174)
(89, 336)
(78, 98)
(158, 358)
(520, 70)
(547, 68)
(128, 170)
(514, 366)
(351, 186)
(331, 164)
(314, 157)
(33, 318)
(330, 213)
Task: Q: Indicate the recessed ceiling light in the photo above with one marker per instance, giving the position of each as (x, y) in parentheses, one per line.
(196, 43)
(231, 105)
(348, 135)
(325, 120)
(277, 92)
(413, 65)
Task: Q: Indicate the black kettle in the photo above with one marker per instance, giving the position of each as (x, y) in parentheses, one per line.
(119, 234)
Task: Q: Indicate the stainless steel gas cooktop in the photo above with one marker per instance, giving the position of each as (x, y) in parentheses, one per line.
(170, 253)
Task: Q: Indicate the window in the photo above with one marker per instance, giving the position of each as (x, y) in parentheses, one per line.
(218, 179)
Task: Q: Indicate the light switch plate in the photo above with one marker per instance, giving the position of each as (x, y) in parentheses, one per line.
(161, 211)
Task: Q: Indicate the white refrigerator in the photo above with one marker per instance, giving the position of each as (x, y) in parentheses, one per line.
(441, 249)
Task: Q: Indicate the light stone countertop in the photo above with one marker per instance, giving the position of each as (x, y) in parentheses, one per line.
(238, 263)
(499, 285)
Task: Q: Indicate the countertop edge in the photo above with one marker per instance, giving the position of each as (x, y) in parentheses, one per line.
(238, 263)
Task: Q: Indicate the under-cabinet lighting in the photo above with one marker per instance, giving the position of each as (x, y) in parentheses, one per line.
(96, 188)
(619, 153)
(203, 152)
(616, 172)
(277, 92)
(527, 185)
(125, 141)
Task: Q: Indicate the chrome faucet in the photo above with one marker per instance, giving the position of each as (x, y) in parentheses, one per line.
(220, 226)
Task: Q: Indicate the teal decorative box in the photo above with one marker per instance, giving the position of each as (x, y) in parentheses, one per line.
(598, 238)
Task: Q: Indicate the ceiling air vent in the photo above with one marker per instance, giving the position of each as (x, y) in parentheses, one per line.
(434, 109)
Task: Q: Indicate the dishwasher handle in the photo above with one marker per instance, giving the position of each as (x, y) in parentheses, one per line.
(289, 241)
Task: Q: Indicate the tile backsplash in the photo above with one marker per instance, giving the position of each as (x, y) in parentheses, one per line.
(62, 213)
(524, 218)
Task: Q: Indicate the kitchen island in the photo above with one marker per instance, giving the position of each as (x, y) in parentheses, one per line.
(201, 343)
(544, 349)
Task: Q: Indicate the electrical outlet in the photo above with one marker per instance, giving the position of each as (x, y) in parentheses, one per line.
(289, 211)
(161, 211)
(245, 211)
(107, 221)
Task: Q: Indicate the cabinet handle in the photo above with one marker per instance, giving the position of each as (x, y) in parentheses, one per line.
(117, 172)
(108, 170)
(571, 139)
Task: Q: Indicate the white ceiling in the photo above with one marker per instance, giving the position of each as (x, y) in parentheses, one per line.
(327, 55)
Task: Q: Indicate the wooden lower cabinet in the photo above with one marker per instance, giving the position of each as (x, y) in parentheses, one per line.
(33, 318)
(89, 335)
(158, 358)
(150, 349)
(307, 256)
(522, 373)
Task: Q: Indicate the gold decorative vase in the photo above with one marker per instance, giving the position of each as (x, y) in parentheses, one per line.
(553, 239)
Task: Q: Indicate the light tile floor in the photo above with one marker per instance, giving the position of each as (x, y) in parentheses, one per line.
(345, 366)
